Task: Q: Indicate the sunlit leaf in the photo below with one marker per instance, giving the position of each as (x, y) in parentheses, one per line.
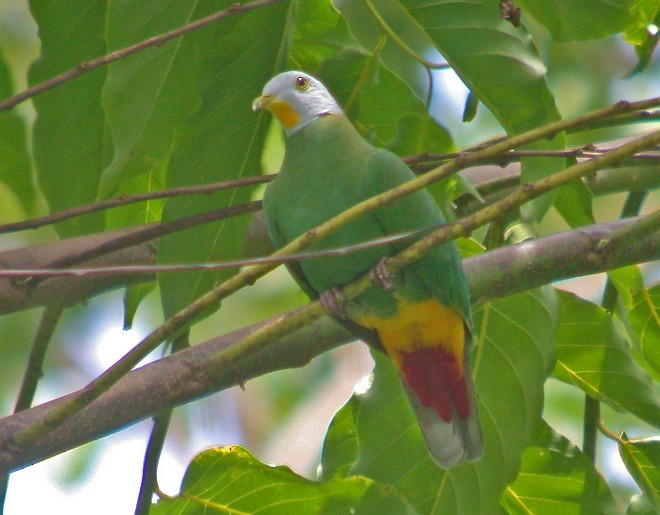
(515, 353)
(593, 356)
(555, 477)
(340, 445)
(230, 480)
(642, 459)
(641, 314)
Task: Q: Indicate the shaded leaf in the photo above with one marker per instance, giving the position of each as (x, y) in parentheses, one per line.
(148, 94)
(234, 59)
(642, 459)
(515, 352)
(593, 356)
(555, 477)
(231, 480)
(133, 297)
(573, 201)
(15, 167)
(471, 106)
(571, 20)
(70, 143)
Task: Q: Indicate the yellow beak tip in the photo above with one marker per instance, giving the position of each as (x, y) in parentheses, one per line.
(259, 102)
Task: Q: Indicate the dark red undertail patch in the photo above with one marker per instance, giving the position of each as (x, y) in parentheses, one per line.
(437, 380)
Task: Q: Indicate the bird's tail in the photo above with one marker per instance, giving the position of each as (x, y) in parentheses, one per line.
(446, 411)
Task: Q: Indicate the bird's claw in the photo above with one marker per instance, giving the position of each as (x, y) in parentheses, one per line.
(334, 301)
(381, 275)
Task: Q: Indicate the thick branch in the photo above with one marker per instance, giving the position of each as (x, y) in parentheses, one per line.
(190, 374)
(68, 291)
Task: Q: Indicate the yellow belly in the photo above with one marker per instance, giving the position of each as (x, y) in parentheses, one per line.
(419, 325)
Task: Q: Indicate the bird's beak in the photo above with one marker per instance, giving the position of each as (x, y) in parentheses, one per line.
(262, 102)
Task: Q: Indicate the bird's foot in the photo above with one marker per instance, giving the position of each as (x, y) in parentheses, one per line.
(334, 302)
(381, 275)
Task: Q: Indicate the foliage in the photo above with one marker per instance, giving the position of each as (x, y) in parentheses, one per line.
(178, 114)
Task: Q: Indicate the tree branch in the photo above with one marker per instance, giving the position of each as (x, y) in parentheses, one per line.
(191, 374)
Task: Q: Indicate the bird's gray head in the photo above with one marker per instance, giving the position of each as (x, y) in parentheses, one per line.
(296, 99)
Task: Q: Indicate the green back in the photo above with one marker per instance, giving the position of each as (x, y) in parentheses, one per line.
(329, 167)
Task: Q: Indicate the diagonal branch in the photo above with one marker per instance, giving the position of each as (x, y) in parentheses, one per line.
(210, 300)
(190, 374)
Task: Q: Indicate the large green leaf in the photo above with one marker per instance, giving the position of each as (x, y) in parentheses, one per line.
(593, 356)
(570, 20)
(497, 62)
(15, 167)
(382, 106)
(234, 59)
(642, 459)
(514, 355)
(555, 477)
(70, 141)
(641, 314)
(231, 480)
(147, 94)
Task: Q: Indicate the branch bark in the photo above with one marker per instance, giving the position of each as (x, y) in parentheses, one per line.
(191, 374)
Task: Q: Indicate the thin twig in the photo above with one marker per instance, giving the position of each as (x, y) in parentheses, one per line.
(87, 66)
(66, 214)
(150, 232)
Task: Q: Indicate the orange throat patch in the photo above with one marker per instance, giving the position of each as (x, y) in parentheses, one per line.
(284, 113)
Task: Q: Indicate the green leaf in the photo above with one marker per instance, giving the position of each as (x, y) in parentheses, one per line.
(471, 106)
(515, 352)
(230, 480)
(15, 167)
(148, 94)
(382, 106)
(641, 315)
(573, 201)
(593, 356)
(578, 20)
(644, 35)
(133, 297)
(234, 59)
(496, 61)
(70, 141)
(417, 133)
(555, 477)
(641, 457)
(340, 445)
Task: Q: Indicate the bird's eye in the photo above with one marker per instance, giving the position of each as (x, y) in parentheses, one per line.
(302, 83)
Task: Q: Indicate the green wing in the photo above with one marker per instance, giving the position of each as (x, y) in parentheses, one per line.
(298, 275)
(441, 270)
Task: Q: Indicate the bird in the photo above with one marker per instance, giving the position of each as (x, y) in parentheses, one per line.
(419, 316)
